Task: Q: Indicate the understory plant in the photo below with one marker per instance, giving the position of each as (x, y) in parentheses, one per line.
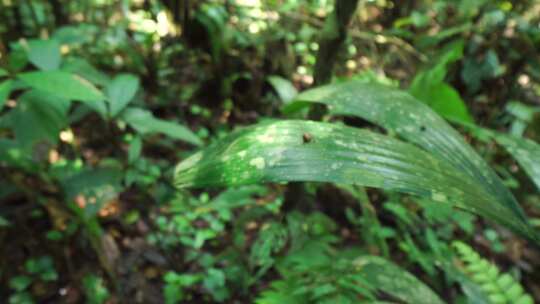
(420, 155)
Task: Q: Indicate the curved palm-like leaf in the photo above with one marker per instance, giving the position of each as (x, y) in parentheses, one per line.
(414, 121)
(525, 151)
(314, 151)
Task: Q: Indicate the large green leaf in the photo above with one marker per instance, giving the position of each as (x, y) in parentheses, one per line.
(38, 118)
(121, 91)
(428, 85)
(144, 122)
(66, 85)
(44, 54)
(313, 151)
(445, 100)
(414, 121)
(63, 84)
(440, 165)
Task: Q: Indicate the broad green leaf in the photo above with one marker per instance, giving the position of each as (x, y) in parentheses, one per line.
(145, 123)
(5, 89)
(310, 151)
(414, 121)
(445, 100)
(121, 91)
(284, 88)
(436, 71)
(66, 85)
(37, 118)
(429, 86)
(395, 281)
(3, 73)
(84, 69)
(44, 54)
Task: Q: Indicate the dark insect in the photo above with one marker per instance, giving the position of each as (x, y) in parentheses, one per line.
(422, 128)
(307, 138)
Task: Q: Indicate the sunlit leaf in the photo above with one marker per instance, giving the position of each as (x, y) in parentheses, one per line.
(67, 86)
(44, 54)
(145, 123)
(121, 91)
(311, 151)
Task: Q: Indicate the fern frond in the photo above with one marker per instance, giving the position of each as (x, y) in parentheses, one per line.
(499, 287)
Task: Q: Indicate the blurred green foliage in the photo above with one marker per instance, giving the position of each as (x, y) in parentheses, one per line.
(100, 99)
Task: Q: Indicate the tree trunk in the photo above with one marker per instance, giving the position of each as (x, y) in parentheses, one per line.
(332, 38)
(330, 42)
(60, 17)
